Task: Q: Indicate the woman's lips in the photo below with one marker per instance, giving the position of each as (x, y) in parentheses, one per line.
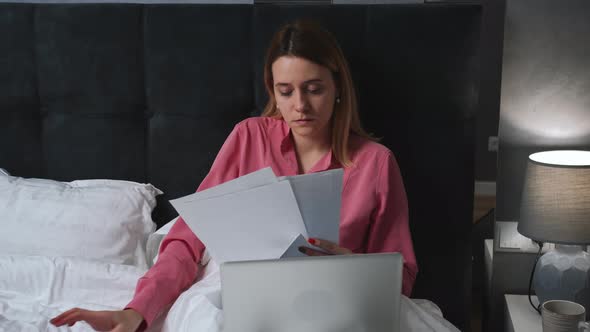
(303, 121)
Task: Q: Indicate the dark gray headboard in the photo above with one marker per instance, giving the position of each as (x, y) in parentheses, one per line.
(149, 92)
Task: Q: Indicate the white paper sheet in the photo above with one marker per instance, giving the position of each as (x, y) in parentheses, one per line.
(293, 250)
(319, 197)
(249, 181)
(259, 223)
(252, 217)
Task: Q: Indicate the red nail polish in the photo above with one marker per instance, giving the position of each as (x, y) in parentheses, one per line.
(312, 241)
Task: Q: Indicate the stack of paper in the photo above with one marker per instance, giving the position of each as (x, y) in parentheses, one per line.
(260, 216)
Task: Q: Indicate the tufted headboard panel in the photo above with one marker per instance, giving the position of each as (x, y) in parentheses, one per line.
(149, 92)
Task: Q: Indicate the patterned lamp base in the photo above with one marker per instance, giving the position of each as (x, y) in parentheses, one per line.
(564, 274)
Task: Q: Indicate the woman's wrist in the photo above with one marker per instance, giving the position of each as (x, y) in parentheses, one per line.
(135, 317)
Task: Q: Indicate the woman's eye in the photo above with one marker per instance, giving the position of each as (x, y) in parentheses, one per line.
(314, 89)
(285, 93)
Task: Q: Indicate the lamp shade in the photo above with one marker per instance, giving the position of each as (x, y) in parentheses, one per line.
(555, 204)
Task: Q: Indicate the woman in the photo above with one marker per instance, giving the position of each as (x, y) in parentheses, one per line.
(310, 124)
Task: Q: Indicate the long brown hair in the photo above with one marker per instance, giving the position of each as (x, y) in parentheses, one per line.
(308, 40)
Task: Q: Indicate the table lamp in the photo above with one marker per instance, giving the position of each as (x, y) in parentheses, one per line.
(555, 208)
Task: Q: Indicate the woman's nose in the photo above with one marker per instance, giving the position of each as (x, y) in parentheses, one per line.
(300, 102)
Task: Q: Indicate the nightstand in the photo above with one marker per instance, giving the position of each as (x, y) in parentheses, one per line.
(519, 314)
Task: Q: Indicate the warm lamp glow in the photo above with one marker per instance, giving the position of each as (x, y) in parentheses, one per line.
(562, 157)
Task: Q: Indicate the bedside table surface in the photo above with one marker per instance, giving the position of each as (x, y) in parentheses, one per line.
(520, 315)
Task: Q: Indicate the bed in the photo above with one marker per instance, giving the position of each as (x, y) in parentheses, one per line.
(137, 94)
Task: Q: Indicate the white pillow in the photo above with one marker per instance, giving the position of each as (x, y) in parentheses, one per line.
(105, 220)
(3, 172)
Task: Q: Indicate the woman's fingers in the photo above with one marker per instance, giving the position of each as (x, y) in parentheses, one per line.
(59, 317)
(69, 317)
(114, 321)
(99, 320)
(311, 252)
(74, 317)
(329, 246)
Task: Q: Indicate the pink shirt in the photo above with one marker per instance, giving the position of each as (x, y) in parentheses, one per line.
(374, 213)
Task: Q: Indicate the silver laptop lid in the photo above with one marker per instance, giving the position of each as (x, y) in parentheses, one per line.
(321, 294)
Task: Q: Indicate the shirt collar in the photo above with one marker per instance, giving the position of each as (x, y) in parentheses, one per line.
(287, 148)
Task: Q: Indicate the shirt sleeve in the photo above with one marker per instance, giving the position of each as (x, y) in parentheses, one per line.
(390, 230)
(181, 250)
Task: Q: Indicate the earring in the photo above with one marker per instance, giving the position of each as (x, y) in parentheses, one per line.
(337, 100)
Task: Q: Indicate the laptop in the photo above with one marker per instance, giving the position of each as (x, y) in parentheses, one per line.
(321, 294)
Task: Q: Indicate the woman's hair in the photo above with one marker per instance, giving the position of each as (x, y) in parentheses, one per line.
(308, 40)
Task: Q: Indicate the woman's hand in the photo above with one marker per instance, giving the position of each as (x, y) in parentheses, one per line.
(330, 248)
(114, 321)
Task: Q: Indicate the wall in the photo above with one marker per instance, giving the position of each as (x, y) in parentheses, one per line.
(545, 100)
(545, 104)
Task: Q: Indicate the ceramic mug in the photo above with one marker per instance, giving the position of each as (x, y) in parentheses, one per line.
(563, 316)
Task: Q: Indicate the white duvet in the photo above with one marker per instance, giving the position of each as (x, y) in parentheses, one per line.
(33, 289)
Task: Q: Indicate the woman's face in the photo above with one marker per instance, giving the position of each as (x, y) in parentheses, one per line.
(305, 93)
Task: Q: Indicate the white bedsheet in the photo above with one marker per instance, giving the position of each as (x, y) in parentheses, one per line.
(33, 289)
